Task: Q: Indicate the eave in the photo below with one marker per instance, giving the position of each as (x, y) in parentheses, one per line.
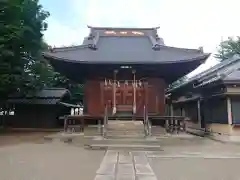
(214, 74)
(198, 59)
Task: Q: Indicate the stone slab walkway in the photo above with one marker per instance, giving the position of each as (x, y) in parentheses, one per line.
(125, 165)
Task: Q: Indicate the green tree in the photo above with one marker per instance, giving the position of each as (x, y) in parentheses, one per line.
(228, 48)
(44, 75)
(21, 30)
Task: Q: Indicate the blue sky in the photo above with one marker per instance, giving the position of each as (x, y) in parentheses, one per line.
(183, 23)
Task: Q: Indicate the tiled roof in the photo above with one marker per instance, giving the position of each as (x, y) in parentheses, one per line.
(228, 70)
(147, 48)
(45, 96)
(234, 76)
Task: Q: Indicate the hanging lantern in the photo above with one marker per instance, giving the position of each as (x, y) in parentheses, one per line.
(109, 82)
(126, 83)
(118, 84)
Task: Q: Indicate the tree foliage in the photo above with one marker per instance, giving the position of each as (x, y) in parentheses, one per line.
(228, 48)
(22, 67)
(21, 31)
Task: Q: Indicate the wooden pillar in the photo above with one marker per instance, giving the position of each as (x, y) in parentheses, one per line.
(171, 109)
(171, 114)
(199, 112)
(146, 94)
(114, 92)
(229, 110)
(65, 123)
(134, 91)
(183, 112)
(102, 88)
(99, 127)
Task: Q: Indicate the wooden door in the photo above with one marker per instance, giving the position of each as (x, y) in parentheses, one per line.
(124, 95)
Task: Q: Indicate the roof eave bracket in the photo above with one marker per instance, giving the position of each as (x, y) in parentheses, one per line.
(155, 44)
(92, 46)
(95, 40)
(156, 47)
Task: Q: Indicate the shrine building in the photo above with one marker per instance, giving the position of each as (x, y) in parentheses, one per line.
(124, 69)
(211, 101)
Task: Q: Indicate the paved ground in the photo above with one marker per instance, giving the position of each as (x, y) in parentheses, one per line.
(196, 158)
(14, 138)
(35, 160)
(27, 156)
(125, 165)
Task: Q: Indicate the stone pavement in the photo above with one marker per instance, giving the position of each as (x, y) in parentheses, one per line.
(182, 158)
(125, 165)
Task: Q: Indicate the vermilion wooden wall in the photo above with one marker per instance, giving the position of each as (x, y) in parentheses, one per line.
(92, 95)
(153, 96)
(156, 95)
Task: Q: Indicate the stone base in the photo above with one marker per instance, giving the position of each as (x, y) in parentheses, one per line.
(226, 138)
(219, 132)
(223, 129)
(194, 128)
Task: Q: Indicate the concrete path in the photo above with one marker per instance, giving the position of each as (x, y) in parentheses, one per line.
(125, 165)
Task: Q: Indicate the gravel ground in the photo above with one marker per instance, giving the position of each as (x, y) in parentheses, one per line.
(30, 158)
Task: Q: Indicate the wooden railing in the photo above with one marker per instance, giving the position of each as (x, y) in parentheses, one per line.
(172, 123)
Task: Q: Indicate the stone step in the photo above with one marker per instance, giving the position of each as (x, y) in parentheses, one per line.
(125, 131)
(130, 126)
(125, 146)
(130, 134)
(144, 140)
(158, 131)
(124, 136)
(122, 122)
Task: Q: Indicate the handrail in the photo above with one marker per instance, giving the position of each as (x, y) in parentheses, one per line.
(105, 121)
(144, 121)
(147, 123)
(149, 126)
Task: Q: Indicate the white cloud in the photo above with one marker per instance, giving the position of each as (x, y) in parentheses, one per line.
(59, 34)
(184, 23)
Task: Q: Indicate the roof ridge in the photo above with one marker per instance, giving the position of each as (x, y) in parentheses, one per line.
(188, 49)
(66, 48)
(109, 27)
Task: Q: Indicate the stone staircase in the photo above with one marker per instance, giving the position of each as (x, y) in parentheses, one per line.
(125, 129)
(124, 134)
(158, 131)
